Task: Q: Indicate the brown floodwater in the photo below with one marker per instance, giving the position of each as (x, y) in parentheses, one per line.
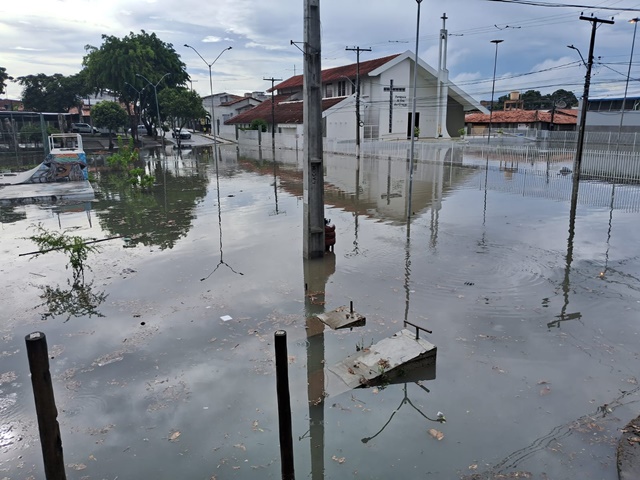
(163, 363)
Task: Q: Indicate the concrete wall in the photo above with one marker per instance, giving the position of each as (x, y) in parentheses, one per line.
(610, 121)
(341, 121)
(455, 117)
(402, 76)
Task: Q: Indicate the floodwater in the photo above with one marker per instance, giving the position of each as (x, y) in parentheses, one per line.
(163, 366)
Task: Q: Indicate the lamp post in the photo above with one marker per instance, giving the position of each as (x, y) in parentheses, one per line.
(493, 86)
(155, 91)
(213, 128)
(626, 86)
(139, 92)
(413, 116)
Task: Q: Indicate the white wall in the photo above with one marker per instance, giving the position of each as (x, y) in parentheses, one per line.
(612, 119)
(341, 121)
(402, 76)
(379, 100)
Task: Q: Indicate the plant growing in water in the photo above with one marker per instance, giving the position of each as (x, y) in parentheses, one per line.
(138, 178)
(76, 247)
(126, 155)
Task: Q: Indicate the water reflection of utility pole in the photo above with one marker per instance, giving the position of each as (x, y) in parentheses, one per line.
(221, 262)
(436, 196)
(407, 271)
(356, 247)
(275, 182)
(566, 283)
(484, 208)
(603, 273)
(316, 274)
(406, 400)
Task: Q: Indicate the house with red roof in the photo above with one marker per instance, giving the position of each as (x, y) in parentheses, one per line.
(386, 95)
(522, 120)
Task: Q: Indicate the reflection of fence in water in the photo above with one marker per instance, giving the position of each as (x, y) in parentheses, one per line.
(559, 187)
(623, 167)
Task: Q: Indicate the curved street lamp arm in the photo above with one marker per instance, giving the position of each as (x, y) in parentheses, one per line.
(207, 63)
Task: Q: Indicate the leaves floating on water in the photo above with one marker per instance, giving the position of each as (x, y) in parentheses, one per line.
(8, 377)
(174, 436)
(338, 459)
(438, 435)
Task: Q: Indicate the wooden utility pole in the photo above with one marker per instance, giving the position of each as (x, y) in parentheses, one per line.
(273, 112)
(313, 222)
(46, 411)
(585, 96)
(358, 121)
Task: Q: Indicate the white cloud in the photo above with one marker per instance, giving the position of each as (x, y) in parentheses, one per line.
(49, 36)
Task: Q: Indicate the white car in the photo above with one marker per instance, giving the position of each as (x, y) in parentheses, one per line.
(141, 129)
(83, 128)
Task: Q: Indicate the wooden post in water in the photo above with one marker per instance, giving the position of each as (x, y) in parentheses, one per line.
(46, 411)
(284, 405)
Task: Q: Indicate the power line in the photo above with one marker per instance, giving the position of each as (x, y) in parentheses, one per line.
(564, 5)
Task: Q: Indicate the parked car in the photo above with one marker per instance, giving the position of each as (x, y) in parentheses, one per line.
(105, 131)
(183, 134)
(142, 130)
(83, 128)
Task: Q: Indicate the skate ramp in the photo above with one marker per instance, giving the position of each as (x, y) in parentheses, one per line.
(56, 167)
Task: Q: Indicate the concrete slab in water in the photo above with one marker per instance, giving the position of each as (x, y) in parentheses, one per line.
(386, 360)
(45, 192)
(342, 317)
(629, 451)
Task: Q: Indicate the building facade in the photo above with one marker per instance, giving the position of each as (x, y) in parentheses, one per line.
(385, 102)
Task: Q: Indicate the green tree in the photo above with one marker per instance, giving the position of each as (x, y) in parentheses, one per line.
(109, 115)
(32, 133)
(180, 106)
(52, 93)
(258, 124)
(533, 100)
(563, 96)
(114, 67)
(4, 76)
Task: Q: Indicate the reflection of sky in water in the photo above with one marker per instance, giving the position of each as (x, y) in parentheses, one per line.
(486, 280)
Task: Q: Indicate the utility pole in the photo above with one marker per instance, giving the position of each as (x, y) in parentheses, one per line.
(273, 112)
(358, 122)
(585, 97)
(313, 221)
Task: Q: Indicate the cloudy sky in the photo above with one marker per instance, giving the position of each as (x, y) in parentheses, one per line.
(49, 36)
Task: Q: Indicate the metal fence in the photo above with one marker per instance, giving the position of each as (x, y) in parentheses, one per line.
(23, 134)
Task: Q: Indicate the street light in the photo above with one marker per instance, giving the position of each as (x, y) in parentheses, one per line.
(413, 116)
(139, 92)
(213, 128)
(155, 90)
(493, 86)
(626, 86)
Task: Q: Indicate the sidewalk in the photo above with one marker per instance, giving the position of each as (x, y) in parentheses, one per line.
(628, 452)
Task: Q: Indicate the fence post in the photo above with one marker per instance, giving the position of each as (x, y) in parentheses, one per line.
(284, 405)
(46, 411)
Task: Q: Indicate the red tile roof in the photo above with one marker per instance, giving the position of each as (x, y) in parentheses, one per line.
(284, 111)
(564, 116)
(337, 73)
(237, 100)
(233, 99)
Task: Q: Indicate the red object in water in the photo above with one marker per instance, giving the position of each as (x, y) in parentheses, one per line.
(329, 236)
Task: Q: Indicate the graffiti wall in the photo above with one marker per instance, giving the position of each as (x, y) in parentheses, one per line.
(61, 167)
